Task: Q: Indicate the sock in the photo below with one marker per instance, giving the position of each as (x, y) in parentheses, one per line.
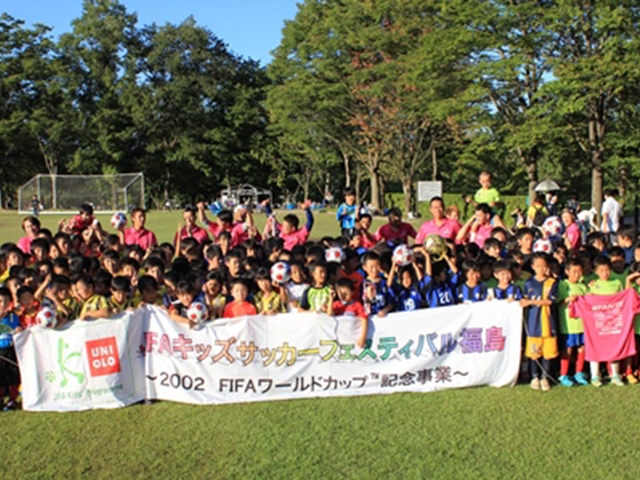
(629, 367)
(594, 370)
(615, 369)
(580, 362)
(535, 370)
(546, 368)
(14, 390)
(564, 365)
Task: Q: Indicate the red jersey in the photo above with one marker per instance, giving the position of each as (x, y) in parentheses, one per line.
(401, 234)
(239, 309)
(351, 309)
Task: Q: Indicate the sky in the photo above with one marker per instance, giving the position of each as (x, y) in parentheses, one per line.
(250, 28)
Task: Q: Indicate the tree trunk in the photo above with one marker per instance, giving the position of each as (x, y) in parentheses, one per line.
(305, 186)
(434, 164)
(622, 185)
(347, 171)
(596, 183)
(374, 180)
(407, 189)
(167, 183)
(54, 191)
(532, 173)
(358, 180)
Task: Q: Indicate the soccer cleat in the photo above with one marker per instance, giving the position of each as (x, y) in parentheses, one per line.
(565, 381)
(544, 385)
(596, 382)
(535, 384)
(631, 379)
(617, 381)
(581, 379)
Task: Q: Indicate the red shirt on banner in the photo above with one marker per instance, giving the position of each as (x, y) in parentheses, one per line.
(608, 325)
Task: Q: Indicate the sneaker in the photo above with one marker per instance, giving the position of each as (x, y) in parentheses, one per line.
(596, 382)
(617, 381)
(565, 381)
(544, 385)
(535, 384)
(632, 380)
(581, 379)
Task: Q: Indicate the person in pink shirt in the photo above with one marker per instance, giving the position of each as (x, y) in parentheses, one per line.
(137, 234)
(367, 239)
(243, 228)
(224, 223)
(288, 230)
(189, 229)
(439, 224)
(31, 226)
(395, 230)
(572, 234)
(478, 228)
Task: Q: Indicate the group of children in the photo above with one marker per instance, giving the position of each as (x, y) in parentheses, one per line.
(231, 276)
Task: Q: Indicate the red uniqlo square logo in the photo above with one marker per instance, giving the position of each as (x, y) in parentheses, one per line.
(103, 356)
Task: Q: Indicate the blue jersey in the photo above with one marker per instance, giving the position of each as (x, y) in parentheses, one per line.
(511, 292)
(536, 316)
(7, 325)
(468, 294)
(439, 294)
(346, 215)
(406, 299)
(383, 296)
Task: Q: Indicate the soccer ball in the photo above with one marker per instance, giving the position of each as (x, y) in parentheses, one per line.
(46, 317)
(118, 220)
(543, 245)
(402, 255)
(552, 226)
(435, 246)
(334, 254)
(280, 272)
(197, 312)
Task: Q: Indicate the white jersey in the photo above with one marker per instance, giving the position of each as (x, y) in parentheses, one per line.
(295, 292)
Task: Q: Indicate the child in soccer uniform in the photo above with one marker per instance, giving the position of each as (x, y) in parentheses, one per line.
(486, 194)
(571, 329)
(317, 297)
(472, 290)
(29, 307)
(239, 307)
(344, 305)
(213, 295)
(93, 305)
(438, 287)
(633, 281)
(9, 371)
(187, 295)
(376, 296)
(604, 285)
(149, 293)
(406, 287)
(119, 301)
(347, 213)
(505, 289)
(619, 270)
(268, 300)
(296, 286)
(540, 294)
(83, 220)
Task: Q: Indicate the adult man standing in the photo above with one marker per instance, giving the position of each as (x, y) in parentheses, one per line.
(137, 234)
(439, 224)
(611, 214)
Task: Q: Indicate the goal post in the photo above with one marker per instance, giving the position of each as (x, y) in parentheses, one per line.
(119, 192)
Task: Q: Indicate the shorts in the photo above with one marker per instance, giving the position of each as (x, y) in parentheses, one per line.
(546, 347)
(9, 373)
(571, 340)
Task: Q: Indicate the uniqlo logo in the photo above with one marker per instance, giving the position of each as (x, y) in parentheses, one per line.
(103, 356)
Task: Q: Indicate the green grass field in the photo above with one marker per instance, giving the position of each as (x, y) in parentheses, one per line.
(471, 433)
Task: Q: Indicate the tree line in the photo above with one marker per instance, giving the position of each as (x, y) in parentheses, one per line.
(374, 94)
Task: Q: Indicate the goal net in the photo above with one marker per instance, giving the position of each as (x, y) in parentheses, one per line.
(119, 192)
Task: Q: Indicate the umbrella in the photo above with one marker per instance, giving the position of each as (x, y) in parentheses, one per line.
(547, 186)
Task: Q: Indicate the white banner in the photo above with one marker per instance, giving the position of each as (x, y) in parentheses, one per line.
(273, 357)
(83, 365)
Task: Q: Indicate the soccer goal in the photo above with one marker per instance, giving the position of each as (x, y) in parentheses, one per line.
(120, 192)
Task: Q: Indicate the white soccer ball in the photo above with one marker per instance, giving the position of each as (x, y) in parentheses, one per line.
(280, 272)
(46, 317)
(543, 245)
(118, 220)
(552, 226)
(197, 312)
(334, 254)
(402, 255)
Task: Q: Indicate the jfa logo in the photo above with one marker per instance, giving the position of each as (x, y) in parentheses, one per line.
(103, 356)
